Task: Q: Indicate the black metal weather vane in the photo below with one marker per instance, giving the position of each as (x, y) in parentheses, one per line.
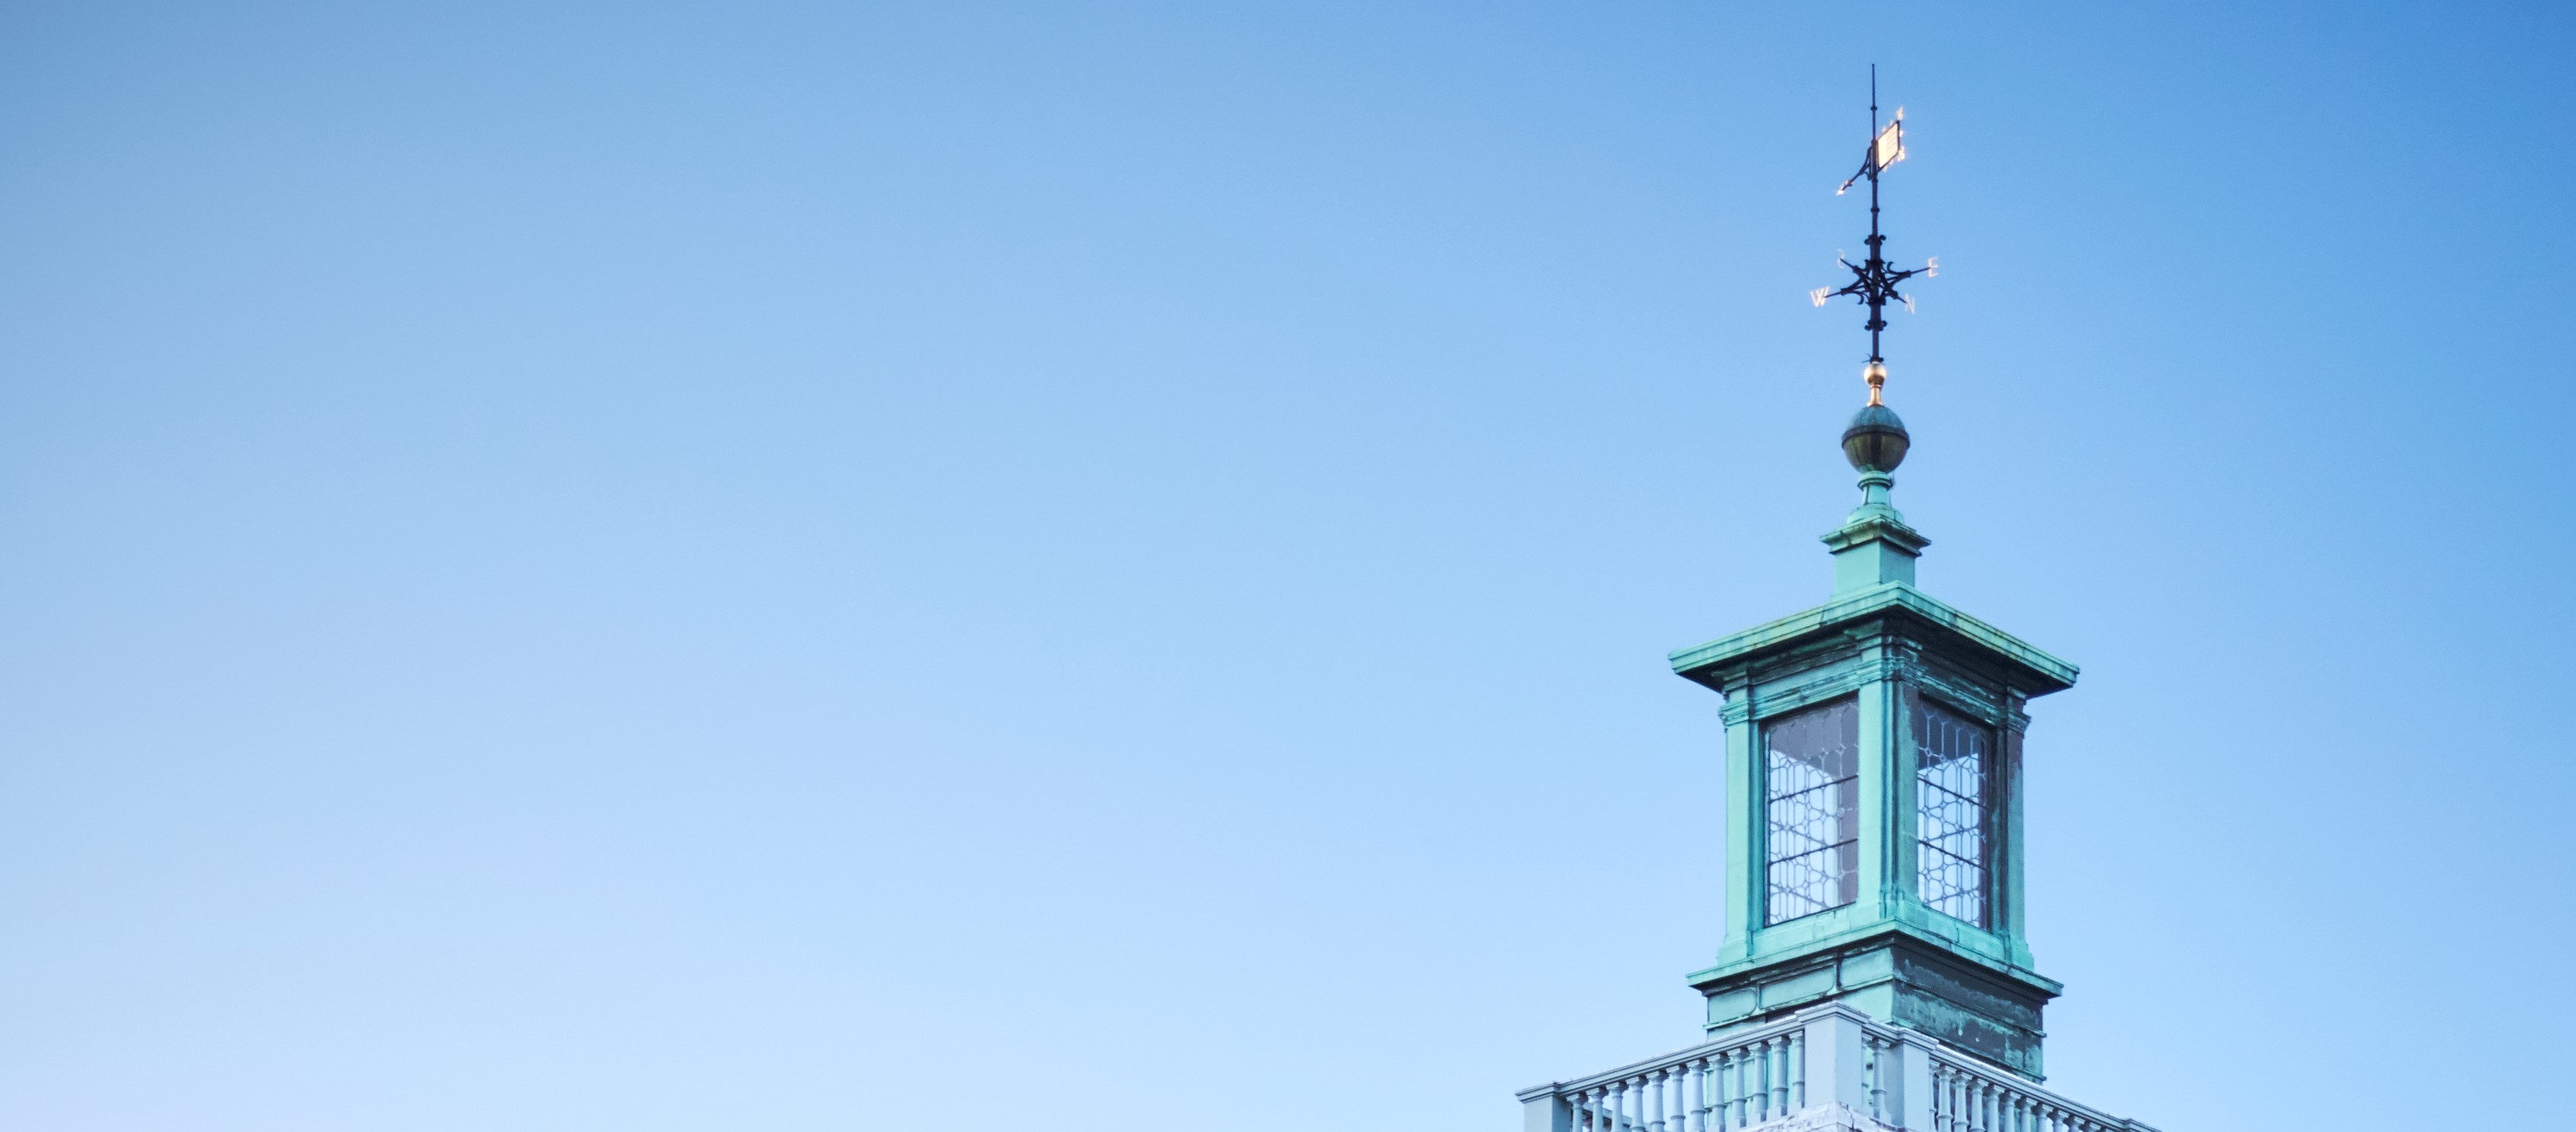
(1874, 280)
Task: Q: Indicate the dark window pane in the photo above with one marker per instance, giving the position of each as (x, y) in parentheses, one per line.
(1812, 760)
(1952, 774)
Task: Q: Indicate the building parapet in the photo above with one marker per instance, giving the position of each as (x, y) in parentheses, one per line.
(1826, 1068)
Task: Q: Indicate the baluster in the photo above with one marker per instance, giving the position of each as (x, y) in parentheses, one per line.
(1727, 1093)
(1668, 1100)
(1730, 1086)
(1614, 1106)
(1758, 1087)
(1678, 1118)
(1686, 1094)
(1869, 1075)
(1712, 1092)
(1635, 1111)
(1762, 1073)
(1788, 1073)
(1751, 1089)
(1779, 1077)
(1797, 1070)
(1655, 1090)
(1581, 1120)
(1698, 1096)
(1778, 1063)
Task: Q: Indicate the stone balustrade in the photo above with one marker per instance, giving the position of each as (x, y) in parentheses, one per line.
(1826, 1068)
(1970, 1097)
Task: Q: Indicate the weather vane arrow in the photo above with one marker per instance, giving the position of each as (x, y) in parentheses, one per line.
(1873, 279)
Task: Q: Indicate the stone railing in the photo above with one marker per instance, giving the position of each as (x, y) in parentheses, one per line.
(1828, 1067)
(1745, 1080)
(1968, 1097)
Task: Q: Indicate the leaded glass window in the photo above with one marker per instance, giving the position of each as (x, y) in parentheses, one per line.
(1952, 838)
(1812, 760)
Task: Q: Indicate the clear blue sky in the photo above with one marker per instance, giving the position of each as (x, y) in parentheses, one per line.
(951, 566)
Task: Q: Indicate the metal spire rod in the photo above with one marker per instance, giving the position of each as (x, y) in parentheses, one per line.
(1873, 280)
(1877, 298)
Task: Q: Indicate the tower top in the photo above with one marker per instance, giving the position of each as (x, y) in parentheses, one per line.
(1875, 972)
(1874, 745)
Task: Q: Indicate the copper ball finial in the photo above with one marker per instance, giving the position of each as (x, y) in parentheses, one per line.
(1876, 440)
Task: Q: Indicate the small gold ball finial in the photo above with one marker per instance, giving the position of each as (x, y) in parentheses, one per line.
(1876, 374)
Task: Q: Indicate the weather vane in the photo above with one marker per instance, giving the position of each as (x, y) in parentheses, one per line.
(1873, 281)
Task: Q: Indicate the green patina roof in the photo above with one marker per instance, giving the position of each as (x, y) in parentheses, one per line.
(2048, 673)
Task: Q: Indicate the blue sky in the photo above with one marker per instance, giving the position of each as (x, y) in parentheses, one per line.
(1104, 566)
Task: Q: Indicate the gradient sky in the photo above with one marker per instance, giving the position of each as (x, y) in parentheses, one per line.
(1085, 566)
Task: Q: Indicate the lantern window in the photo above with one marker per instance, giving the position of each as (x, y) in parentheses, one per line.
(1813, 762)
(1952, 812)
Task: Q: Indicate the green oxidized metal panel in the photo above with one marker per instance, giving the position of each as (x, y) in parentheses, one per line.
(1887, 952)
